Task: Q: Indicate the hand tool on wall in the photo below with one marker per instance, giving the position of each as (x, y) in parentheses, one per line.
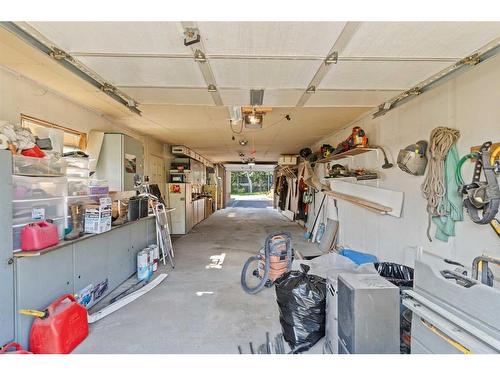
(308, 235)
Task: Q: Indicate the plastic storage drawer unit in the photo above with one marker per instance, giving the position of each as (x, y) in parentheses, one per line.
(77, 167)
(78, 186)
(28, 166)
(78, 163)
(26, 211)
(24, 187)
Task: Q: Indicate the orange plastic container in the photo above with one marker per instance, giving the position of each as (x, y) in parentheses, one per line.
(64, 327)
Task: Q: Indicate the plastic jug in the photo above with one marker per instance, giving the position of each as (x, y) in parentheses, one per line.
(38, 236)
(62, 329)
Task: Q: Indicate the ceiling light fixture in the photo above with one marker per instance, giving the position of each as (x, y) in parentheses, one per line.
(332, 58)
(243, 142)
(253, 121)
(212, 88)
(311, 89)
(199, 56)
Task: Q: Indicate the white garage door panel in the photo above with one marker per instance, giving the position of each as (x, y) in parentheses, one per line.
(156, 95)
(263, 73)
(349, 98)
(380, 75)
(140, 71)
(420, 39)
(270, 38)
(115, 37)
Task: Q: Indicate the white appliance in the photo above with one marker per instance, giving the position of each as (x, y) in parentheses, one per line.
(120, 159)
(368, 315)
(179, 197)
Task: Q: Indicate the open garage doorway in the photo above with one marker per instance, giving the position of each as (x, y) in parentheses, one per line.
(251, 186)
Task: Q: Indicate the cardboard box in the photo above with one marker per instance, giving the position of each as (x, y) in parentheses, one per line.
(98, 216)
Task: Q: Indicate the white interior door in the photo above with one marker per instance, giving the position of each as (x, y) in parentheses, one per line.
(157, 173)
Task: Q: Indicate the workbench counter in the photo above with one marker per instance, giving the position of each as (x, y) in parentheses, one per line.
(72, 265)
(64, 243)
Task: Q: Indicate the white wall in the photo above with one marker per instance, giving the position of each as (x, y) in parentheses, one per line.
(21, 95)
(470, 103)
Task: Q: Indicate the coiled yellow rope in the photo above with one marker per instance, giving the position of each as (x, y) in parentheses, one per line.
(433, 188)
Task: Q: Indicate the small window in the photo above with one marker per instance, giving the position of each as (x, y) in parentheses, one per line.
(71, 140)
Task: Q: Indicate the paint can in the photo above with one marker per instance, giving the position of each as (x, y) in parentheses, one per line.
(156, 256)
(143, 268)
(151, 259)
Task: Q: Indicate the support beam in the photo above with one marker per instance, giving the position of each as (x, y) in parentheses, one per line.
(204, 66)
(349, 30)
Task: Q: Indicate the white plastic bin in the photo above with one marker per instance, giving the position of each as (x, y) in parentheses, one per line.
(26, 211)
(25, 187)
(78, 186)
(28, 166)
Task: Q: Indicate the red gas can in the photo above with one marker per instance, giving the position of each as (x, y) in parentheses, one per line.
(13, 348)
(64, 327)
(38, 236)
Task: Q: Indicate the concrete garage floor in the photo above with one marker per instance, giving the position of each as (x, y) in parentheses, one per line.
(173, 318)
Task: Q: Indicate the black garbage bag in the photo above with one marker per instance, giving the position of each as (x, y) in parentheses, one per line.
(402, 277)
(399, 275)
(301, 300)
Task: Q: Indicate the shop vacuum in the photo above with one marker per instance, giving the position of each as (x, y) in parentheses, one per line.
(273, 260)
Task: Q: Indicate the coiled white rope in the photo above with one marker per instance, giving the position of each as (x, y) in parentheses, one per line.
(434, 188)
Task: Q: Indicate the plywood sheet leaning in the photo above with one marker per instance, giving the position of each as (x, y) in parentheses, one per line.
(94, 145)
(384, 197)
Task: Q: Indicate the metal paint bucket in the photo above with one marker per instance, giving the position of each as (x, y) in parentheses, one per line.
(151, 259)
(143, 268)
(156, 256)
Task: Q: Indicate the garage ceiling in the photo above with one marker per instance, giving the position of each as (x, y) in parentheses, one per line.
(149, 62)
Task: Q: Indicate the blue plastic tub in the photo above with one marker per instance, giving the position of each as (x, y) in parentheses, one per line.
(358, 257)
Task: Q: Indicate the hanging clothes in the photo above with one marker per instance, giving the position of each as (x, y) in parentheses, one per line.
(451, 204)
(283, 193)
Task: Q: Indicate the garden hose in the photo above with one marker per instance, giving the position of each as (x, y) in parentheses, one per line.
(458, 174)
